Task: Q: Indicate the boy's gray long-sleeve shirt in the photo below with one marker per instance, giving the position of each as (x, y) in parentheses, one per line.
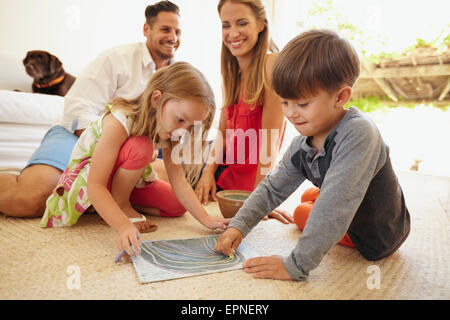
(359, 195)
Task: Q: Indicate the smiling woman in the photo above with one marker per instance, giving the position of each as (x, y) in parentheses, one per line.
(240, 31)
(249, 104)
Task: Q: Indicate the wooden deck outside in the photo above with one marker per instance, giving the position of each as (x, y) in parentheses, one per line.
(421, 76)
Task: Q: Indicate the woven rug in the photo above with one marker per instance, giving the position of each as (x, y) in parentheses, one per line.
(78, 262)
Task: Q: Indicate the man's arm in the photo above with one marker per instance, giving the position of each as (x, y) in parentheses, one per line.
(89, 94)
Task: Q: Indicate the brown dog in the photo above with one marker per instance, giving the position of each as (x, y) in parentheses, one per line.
(48, 73)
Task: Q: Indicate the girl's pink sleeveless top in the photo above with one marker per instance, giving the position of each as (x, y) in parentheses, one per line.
(242, 147)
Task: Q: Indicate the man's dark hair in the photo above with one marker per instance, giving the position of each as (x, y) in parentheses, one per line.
(154, 9)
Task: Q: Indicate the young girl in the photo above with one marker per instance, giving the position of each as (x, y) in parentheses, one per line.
(109, 168)
(249, 100)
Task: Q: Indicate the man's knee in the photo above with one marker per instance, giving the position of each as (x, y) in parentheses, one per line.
(31, 203)
(34, 186)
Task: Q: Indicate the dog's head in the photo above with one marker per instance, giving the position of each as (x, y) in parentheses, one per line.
(39, 64)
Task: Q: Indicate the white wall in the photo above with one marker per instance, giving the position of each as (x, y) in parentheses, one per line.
(78, 30)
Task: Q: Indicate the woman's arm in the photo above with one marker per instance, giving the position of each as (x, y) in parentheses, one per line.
(207, 182)
(272, 124)
(187, 197)
(102, 164)
(272, 120)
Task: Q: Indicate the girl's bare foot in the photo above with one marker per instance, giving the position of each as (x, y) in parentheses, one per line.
(143, 224)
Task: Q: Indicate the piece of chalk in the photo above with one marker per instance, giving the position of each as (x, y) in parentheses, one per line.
(119, 256)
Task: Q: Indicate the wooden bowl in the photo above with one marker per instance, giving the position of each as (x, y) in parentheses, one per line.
(230, 201)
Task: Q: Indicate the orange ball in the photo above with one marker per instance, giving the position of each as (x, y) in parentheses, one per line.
(310, 194)
(301, 214)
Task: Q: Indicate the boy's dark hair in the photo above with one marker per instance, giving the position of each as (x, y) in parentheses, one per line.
(315, 59)
(154, 9)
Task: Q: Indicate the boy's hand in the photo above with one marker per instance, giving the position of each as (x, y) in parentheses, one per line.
(229, 241)
(267, 268)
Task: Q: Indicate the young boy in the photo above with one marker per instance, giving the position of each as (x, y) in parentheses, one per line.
(339, 150)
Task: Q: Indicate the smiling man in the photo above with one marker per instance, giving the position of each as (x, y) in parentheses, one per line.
(122, 71)
(163, 32)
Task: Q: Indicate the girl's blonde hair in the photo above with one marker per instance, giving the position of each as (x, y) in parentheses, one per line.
(180, 81)
(231, 80)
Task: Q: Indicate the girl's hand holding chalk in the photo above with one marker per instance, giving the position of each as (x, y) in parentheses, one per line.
(129, 241)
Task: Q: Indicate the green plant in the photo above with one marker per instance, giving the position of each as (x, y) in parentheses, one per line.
(328, 14)
(368, 104)
(441, 43)
(372, 103)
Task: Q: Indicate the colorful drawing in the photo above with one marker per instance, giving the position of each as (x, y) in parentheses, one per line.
(171, 259)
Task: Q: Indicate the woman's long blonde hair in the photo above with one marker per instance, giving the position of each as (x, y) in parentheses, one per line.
(180, 81)
(231, 80)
